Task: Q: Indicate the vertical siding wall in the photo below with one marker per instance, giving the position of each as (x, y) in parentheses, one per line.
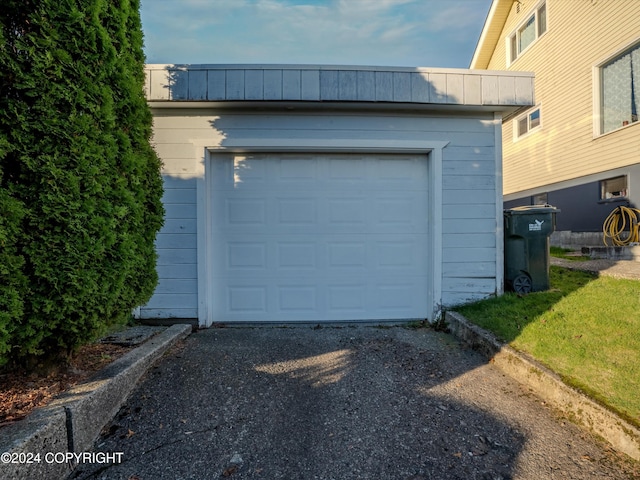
(469, 188)
(580, 35)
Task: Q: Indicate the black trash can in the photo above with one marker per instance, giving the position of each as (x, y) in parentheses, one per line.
(526, 247)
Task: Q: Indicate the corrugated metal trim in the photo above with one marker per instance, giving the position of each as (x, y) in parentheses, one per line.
(290, 83)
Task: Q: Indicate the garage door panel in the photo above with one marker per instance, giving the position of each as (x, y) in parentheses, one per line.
(263, 300)
(297, 256)
(345, 300)
(296, 170)
(347, 254)
(395, 211)
(333, 172)
(245, 211)
(348, 210)
(298, 299)
(334, 255)
(319, 237)
(293, 213)
(401, 171)
(396, 297)
(246, 299)
(239, 173)
(246, 255)
(352, 169)
(401, 253)
(297, 211)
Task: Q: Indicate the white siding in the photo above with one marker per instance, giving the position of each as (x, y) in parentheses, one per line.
(176, 244)
(468, 189)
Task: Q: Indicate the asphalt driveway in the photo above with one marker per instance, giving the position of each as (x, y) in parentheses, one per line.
(340, 403)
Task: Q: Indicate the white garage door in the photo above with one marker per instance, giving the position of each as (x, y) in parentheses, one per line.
(301, 237)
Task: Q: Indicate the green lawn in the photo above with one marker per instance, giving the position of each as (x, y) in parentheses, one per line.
(585, 328)
(567, 254)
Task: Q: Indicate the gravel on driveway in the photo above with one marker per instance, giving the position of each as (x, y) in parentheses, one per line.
(341, 402)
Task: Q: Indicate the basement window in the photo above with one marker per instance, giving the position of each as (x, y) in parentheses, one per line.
(539, 199)
(613, 188)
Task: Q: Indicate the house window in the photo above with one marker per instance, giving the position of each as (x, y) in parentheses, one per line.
(527, 123)
(613, 188)
(620, 90)
(539, 199)
(528, 32)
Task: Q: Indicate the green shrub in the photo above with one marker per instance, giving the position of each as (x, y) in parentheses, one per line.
(12, 281)
(79, 162)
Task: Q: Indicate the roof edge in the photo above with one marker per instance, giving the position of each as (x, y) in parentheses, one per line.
(177, 67)
(273, 83)
(496, 19)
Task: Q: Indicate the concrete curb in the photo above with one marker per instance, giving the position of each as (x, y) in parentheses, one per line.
(37, 447)
(581, 409)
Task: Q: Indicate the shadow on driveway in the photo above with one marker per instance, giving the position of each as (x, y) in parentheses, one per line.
(339, 403)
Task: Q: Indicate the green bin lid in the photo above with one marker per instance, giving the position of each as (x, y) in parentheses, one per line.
(531, 210)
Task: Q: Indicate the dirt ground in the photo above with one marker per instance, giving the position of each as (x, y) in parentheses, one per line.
(21, 392)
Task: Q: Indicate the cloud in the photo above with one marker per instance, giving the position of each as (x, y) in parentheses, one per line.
(385, 32)
(456, 16)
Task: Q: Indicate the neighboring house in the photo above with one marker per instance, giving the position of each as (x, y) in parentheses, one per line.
(317, 193)
(578, 148)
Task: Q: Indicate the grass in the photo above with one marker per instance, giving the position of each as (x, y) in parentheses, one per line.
(585, 328)
(567, 254)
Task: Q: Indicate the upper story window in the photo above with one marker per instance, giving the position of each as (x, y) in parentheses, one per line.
(527, 33)
(620, 90)
(526, 123)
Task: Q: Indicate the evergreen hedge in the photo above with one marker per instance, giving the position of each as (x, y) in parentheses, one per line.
(80, 185)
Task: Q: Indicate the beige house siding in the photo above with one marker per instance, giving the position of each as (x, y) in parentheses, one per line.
(580, 35)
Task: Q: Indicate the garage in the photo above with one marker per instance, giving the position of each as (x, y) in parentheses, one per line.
(311, 237)
(318, 193)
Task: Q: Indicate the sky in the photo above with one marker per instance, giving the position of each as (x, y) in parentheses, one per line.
(394, 33)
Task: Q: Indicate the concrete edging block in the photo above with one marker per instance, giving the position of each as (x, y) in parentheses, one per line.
(73, 421)
(44, 433)
(581, 409)
(92, 405)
